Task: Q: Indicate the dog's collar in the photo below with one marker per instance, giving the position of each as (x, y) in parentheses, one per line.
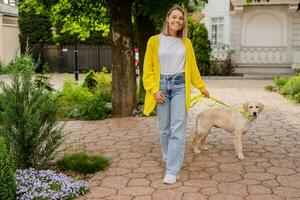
(245, 114)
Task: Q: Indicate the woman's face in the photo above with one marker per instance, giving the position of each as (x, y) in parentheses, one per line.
(175, 20)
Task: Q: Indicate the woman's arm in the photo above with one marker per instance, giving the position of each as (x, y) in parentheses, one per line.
(148, 73)
(195, 74)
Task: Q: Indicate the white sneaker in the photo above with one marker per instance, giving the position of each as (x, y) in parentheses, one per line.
(170, 179)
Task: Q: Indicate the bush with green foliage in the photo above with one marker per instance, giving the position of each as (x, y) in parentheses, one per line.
(199, 37)
(28, 119)
(288, 86)
(42, 80)
(71, 96)
(90, 80)
(97, 80)
(292, 88)
(221, 68)
(2, 70)
(89, 101)
(280, 81)
(7, 173)
(82, 163)
(96, 107)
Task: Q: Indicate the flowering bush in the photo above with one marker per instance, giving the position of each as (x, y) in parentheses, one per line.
(46, 185)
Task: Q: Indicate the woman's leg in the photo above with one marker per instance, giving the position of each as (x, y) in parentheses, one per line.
(178, 120)
(163, 116)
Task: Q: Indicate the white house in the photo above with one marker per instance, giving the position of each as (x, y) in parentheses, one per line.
(9, 30)
(265, 36)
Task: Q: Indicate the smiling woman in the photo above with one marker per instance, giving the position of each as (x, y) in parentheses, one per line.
(169, 69)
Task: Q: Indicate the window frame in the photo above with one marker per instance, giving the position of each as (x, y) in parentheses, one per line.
(217, 30)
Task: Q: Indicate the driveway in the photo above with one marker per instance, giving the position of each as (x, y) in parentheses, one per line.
(271, 170)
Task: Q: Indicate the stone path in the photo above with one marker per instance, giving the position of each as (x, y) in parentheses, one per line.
(271, 170)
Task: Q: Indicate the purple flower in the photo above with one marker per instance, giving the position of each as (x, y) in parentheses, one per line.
(46, 184)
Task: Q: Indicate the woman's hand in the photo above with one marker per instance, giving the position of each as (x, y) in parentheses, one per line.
(205, 93)
(159, 97)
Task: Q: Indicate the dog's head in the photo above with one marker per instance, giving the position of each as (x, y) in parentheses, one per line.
(253, 108)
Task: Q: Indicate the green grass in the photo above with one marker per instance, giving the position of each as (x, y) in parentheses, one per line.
(82, 163)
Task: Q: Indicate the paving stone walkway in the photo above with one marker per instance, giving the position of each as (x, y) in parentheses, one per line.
(271, 170)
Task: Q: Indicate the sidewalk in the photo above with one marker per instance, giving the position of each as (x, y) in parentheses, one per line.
(271, 170)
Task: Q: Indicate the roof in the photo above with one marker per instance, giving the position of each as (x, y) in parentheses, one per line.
(8, 10)
(264, 2)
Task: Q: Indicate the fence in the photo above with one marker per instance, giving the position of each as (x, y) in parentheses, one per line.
(61, 58)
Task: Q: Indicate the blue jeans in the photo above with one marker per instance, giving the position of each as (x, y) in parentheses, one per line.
(172, 118)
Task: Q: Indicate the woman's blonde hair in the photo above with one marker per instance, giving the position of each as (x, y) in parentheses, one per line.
(182, 33)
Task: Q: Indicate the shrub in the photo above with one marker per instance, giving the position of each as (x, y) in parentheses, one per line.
(82, 163)
(45, 184)
(96, 107)
(7, 173)
(94, 81)
(221, 68)
(271, 88)
(28, 120)
(41, 80)
(280, 82)
(90, 80)
(71, 96)
(292, 86)
(288, 86)
(297, 98)
(2, 70)
(199, 37)
(89, 101)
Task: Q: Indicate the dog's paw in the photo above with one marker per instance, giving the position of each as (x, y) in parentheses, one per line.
(204, 148)
(241, 157)
(197, 150)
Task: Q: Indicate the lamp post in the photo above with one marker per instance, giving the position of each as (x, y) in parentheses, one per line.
(76, 62)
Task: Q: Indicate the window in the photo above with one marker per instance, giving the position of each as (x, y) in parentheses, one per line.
(10, 2)
(217, 30)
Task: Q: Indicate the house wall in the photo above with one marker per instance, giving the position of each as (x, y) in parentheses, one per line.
(265, 35)
(1, 39)
(9, 38)
(296, 40)
(264, 26)
(217, 8)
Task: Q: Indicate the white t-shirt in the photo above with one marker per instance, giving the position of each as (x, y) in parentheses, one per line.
(171, 54)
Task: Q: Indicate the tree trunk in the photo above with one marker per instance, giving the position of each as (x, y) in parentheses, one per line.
(124, 99)
(145, 30)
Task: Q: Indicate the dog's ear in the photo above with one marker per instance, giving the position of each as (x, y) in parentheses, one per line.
(245, 106)
(261, 107)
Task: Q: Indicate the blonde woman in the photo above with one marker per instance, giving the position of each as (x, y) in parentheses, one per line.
(169, 70)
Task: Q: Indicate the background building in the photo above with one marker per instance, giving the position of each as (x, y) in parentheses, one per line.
(9, 30)
(265, 36)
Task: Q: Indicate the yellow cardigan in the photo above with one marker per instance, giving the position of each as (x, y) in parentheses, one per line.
(151, 74)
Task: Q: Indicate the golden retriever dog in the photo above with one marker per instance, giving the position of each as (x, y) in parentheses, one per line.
(236, 122)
